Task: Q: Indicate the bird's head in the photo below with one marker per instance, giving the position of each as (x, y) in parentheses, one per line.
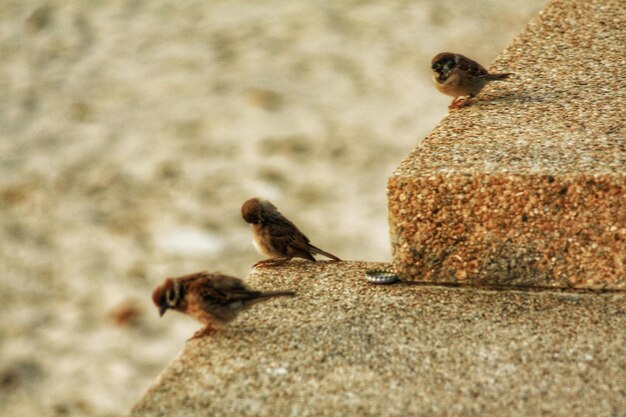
(443, 64)
(168, 295)
(252, 210)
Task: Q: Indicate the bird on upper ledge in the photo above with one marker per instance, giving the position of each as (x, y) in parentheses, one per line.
(460, 77)
(277, 237)
(212, 299)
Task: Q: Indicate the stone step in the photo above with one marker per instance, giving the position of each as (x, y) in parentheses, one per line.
(527, 186)
(343, 347)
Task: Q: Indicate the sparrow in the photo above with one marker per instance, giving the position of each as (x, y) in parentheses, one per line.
(211, 298)
(460, 77)
(275, 236)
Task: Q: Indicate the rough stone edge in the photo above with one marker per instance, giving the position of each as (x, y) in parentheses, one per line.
(541, 191)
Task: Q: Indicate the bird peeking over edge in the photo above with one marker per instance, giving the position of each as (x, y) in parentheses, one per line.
(275, 236)
(460, 77)
(212, 299)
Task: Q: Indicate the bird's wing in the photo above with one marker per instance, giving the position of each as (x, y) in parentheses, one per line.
(287, 238)
(472, 67)
(223, 289)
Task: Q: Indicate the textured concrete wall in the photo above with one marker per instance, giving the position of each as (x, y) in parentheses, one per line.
(343, 347)
(131, 131)
(530, 230)
(527, 186)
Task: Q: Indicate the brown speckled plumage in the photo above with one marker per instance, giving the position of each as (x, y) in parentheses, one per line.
(277, 237)
(458, 76)
(212, 299)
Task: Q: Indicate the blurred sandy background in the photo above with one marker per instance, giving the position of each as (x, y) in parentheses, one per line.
(132, 131)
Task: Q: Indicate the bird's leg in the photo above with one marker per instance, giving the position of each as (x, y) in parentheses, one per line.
(271, 262)
(460, 102)
(205, 331)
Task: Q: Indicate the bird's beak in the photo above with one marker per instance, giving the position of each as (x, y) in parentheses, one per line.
(162, 310)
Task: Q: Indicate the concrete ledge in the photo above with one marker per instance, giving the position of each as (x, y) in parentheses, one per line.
(498, 229)
(528, 185)
(343, 347)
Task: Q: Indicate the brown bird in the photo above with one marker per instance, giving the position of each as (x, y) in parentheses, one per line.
(277, 237)
(460, 77)
(212, 299)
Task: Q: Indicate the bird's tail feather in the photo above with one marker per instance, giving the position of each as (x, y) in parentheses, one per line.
(266, 295)
(496, 77)
(270, 294)
(318, 251)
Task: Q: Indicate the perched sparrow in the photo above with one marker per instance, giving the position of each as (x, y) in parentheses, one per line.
(212, 299)
(460, 77)
(275, 236)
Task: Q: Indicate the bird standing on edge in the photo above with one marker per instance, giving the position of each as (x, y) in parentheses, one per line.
(275, 236)
(460, 77)
(212, 299)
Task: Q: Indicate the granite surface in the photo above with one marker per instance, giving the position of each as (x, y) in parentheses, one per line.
(132, 131)
(527, 185)
(343, 347)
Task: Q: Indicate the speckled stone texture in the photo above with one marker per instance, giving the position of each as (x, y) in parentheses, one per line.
(527, 186)
(343, 347)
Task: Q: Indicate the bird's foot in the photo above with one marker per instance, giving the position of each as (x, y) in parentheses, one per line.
(205, 331)
(459, 102)
(270, 262)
